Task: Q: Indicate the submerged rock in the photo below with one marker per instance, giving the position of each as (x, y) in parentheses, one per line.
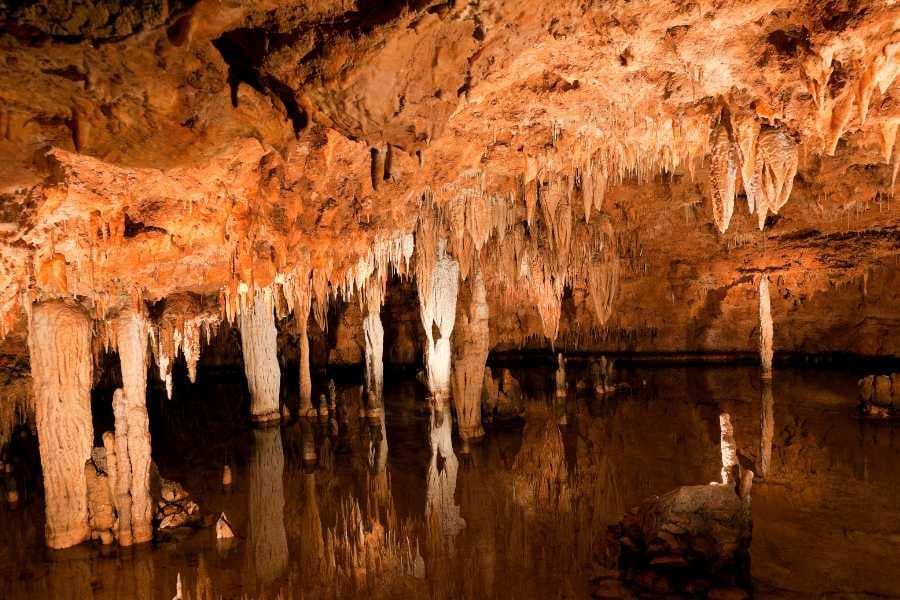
(690, 540)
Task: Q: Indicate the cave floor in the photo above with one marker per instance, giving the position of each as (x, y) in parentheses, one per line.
(826, 519)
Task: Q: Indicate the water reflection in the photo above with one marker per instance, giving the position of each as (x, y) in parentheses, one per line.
(267, 536)
(386, 507)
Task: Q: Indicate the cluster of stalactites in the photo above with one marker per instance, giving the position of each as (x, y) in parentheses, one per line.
(179, 331)
(766, 159)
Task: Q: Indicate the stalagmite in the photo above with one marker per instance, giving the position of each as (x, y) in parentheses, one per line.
(122, 478)
(61, 368)
(438, 306)
(268, 538)
(471, 341)
(722, 176)
(766, 333)
(132, 343)
(767, 427)
(260, 346)
(729, 450)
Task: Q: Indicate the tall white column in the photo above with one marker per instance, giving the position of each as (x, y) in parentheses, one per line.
(259, 341)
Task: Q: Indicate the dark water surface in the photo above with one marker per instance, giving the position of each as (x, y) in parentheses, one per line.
(522, 515)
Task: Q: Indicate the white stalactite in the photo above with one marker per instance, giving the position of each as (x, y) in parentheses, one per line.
(132, 331)
(61, 368)
(438, 308)
(723, 176)
(766, 328)
(260, 347)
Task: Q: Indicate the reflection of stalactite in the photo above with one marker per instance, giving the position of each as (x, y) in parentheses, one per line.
(767, 427)
(441, 511)
(766, 333)
(268, 539)
(378, 454)
(471, 342)
(260, 347)
(312, 544)
(60, 346)
(437, 299)
(542, 478)
(132, 344)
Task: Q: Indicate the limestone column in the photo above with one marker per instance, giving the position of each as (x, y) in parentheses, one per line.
(61, 370)
(438, 311)
(374, 340)
(306, 408)
(132, 341)
(766, 333)
(471, 341)
(260, 347)
(268, 539)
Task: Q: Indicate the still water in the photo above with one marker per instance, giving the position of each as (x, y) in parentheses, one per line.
(346, 507)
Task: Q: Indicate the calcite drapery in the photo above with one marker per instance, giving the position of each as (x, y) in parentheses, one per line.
(260, 347)
(471, 342)
(766, 329)
(723, 176)
(61, 369)
(131, 338)
(438, 305)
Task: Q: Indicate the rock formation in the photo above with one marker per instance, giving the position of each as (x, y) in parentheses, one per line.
(438, 287)
(61, 369)
(766, 329)
(131, 414)
(260, 346)
(471, 343)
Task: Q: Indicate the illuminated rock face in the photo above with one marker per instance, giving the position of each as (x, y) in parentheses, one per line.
(61, 369)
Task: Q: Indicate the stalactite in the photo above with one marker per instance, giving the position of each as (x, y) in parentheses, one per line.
(268, 538)
(766, 333)
(722, 176)
(59, 342)
(437, 302)
(260, 348)
(132, 344)
(179, 331)
(603, 271)
(471, 343)
(777, 159)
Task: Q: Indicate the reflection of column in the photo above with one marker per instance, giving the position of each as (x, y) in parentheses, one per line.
(267, 535)
(378, 453)
(61, 370)
(441, 511)
(312, 544)
(767, 427)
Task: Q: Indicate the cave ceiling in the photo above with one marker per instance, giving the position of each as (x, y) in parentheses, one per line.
(213, 147)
